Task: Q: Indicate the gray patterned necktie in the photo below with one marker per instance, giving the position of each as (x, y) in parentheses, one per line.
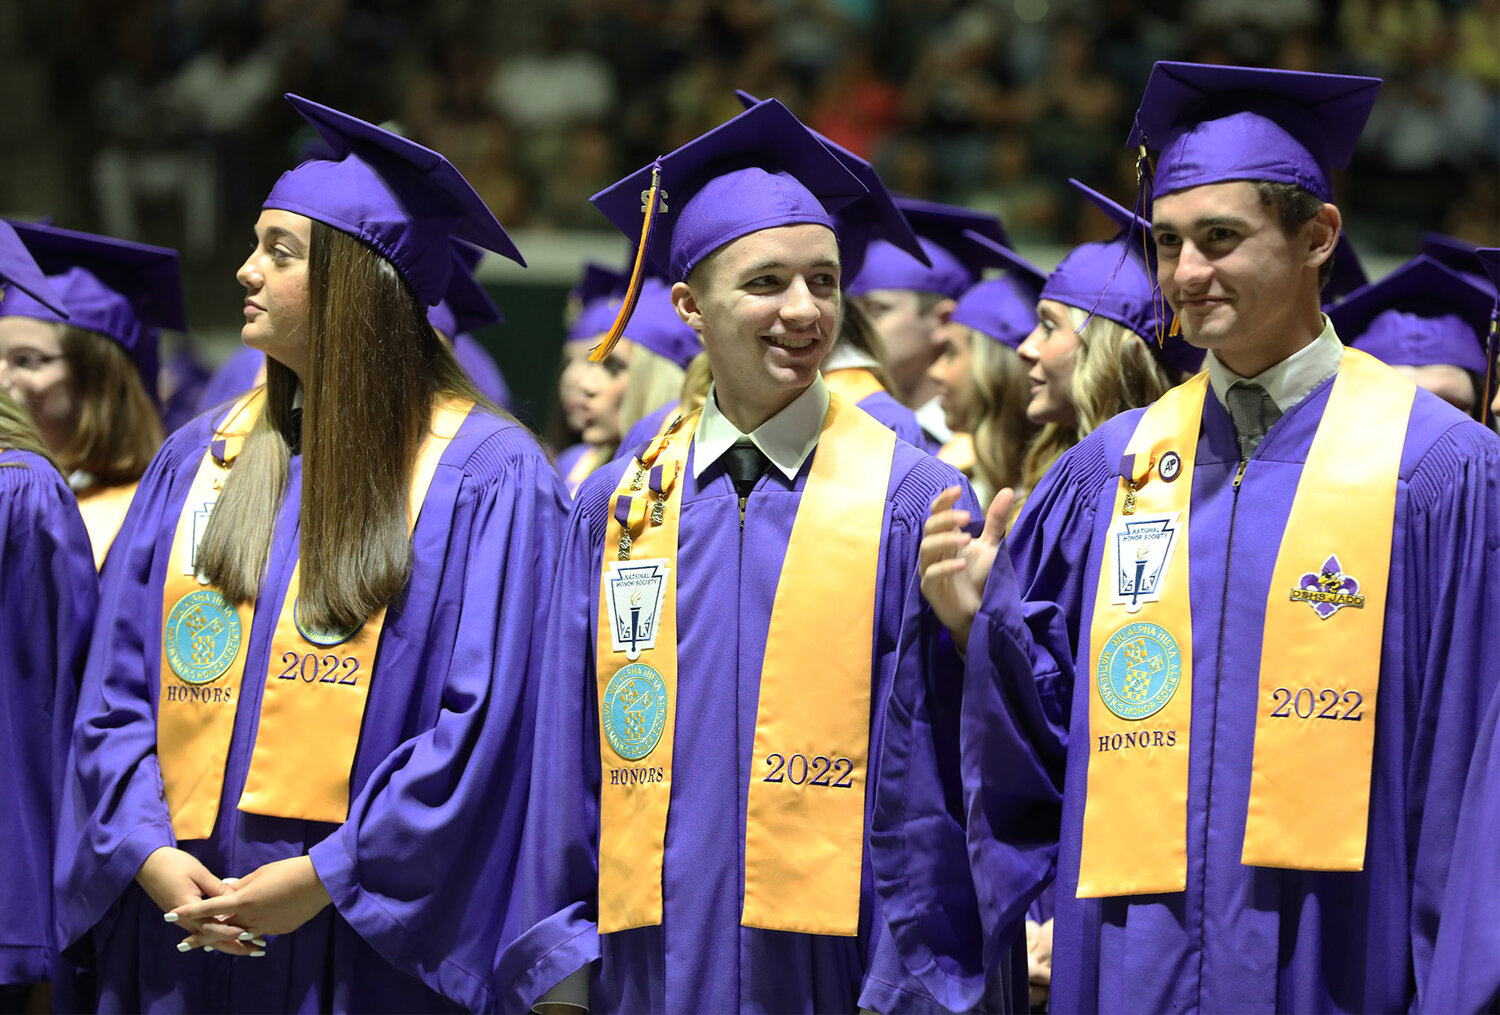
(1253, 412)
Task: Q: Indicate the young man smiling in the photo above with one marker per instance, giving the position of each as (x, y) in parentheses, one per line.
(731, 602)
(1235, 656)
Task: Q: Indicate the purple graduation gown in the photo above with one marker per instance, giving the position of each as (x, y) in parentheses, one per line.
(48, 593)
(1465, 973)
(483, 371)
(700, 958)
(1239, 938)
(422, 870)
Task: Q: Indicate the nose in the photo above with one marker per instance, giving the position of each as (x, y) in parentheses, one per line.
(1191, 270)
(249, 275)
(1030, 351)
(800, 309)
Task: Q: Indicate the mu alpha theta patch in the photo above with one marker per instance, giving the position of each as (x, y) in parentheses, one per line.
(1139, 670)
(1328, 590)
(202, 636)
(634, 711)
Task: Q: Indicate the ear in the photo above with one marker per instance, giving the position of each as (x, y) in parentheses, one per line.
(686, 305)
(1323, 235)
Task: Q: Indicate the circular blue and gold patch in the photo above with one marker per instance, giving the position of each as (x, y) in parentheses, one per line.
(1139, 670)
(323, 637)
(634, 711)
(202, 636)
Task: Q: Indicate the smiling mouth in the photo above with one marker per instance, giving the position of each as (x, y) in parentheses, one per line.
(788, 342)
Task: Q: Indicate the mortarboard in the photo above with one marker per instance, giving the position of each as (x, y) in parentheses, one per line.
(759, 170)
(1421, 314)
(118, 288)
(1116, 279)
(1451, 252)
(947, 234)
(404, 200)
(875, 216)
(1213, 124)
(594, 302)
(655, 325)
(1003, 308)
(19, 272)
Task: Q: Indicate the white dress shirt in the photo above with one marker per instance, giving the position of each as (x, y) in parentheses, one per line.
(787, 438)
(1291, 380)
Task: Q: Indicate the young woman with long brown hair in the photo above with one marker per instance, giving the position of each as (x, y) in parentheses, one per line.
(48, 594)
(310, 671)
(90, 379)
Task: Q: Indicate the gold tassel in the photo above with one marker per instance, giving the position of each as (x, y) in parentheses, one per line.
(651, 199)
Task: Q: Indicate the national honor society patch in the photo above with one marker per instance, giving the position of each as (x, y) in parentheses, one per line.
(633, 593)
(1328, 589)
(634, 711)
(1139, 670)
(1141, 547)
(202, 636)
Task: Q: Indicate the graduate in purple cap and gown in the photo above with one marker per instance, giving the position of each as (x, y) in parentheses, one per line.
(1429, 324)
(592, 308)
(1226, 672)
(658, 349)
(982, 382)
(91, 385)
(906, 298)
(302, 790)
(48, 593)
(707, 734)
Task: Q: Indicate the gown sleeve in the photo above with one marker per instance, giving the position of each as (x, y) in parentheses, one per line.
(917, 838)
(114, 810)
(1451, 649)
(48, 594)
(424, 866)
(1017, 693)
(558, 873)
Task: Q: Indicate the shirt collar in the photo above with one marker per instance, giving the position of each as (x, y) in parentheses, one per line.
(787, 438)
(1291, 380)
(934, 421)
(845, 357)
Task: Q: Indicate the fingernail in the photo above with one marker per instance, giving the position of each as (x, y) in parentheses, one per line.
(227, 881)
(170, 917)
(208, 948)
(256, 955)
(246, 936)
(259, 941)
(184, 947)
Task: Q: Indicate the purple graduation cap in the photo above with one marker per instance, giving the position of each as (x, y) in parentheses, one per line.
(466, 306)
(875, 216)
(1421, 314)
(19, 272)
(947, 235)
(123, 290)
(1213, 124)
(405, 201)
(1116, 279)
(760, 170)
(1002, 308)
(1489, 260)
(656, 326)
(1451, 252)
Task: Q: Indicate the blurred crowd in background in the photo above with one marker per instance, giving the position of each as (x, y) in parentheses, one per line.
(161, 119)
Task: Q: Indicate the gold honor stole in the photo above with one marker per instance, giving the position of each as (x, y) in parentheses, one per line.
(1326, 601)
(853, 384)
(804, 835)
(306, 736)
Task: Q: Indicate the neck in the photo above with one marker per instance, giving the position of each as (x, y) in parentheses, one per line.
(1279, 344)
(747, 414)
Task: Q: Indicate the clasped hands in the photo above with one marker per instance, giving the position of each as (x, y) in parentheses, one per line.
(232, 915)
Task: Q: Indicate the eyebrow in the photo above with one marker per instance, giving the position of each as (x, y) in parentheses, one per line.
(1212, 221)
(756, 269)
(275, 233)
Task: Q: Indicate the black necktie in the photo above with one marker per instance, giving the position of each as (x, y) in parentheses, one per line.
(746, 463)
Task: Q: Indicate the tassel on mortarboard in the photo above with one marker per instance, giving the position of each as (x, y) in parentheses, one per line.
(653, 203)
